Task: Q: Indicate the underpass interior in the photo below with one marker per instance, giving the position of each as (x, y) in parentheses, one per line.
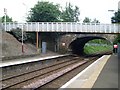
(77, 46)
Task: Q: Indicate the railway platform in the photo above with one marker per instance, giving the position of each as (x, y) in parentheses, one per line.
(103, 73)
(30, 59)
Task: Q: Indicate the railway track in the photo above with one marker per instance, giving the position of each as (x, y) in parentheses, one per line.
(58, 61)
(42, 76)
(14, 70)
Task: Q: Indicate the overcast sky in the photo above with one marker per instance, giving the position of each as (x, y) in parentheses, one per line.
(98, 9)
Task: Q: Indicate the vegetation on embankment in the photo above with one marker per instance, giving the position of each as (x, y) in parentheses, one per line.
(117, 39)
(97, 48)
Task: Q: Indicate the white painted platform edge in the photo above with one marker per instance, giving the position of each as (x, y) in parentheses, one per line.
(28, 60)
(78, 75)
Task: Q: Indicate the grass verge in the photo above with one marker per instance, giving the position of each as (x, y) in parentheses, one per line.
(96, 49)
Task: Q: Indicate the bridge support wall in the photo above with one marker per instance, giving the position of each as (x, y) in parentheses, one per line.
(62, 43)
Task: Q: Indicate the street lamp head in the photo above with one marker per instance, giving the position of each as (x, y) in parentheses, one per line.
(111, 10)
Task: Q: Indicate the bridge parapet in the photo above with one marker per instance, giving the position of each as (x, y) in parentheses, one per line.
(64, 27)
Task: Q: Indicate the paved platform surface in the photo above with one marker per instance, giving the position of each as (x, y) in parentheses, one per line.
(30, 59)
(103, 73)
(108, 77)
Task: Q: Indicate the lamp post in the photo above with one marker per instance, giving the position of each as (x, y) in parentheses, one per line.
(5, 14)
(119, 5)
(22, 30)
(22, 40)
(25, 10)
(113, 11)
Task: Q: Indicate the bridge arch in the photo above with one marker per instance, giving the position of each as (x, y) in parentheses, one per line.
(77, 46)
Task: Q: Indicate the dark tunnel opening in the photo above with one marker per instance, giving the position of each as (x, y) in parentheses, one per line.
(77, 46)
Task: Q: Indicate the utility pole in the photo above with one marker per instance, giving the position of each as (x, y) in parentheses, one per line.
(119, 5)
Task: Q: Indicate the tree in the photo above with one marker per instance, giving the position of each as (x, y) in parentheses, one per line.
(117, 39)
(8, 19)
(44, 12)
(116, 17)
(95, 21)
(70, 14)
(86, 20)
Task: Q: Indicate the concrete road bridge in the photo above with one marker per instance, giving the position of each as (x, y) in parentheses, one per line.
(45, 28)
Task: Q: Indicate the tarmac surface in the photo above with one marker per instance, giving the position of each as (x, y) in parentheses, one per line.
(108, 77)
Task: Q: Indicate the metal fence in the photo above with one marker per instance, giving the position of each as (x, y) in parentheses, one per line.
(64, 27)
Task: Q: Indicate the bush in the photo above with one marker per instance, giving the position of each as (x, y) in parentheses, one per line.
(31, 37)
(17, 33)
(27, 36)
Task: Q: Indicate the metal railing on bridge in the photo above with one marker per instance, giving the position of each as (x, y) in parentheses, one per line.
(64, 27)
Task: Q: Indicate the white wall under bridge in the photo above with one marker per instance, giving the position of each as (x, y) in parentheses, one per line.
(64, 27)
